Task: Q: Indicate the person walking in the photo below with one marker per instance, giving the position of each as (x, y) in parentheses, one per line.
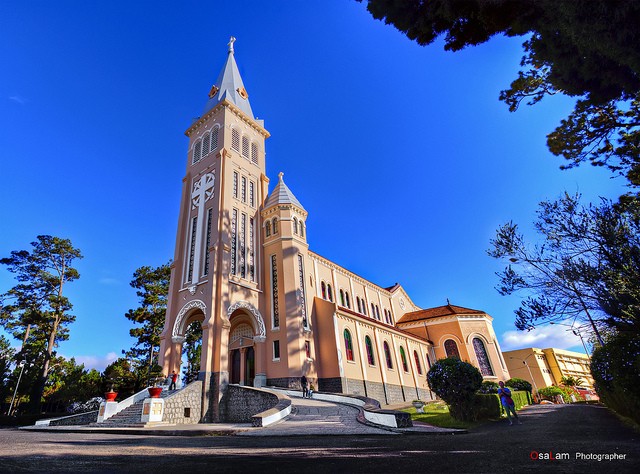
(507, 402)
(174, 379)
(305, 389)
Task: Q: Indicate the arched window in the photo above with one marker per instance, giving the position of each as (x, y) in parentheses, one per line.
(214, 139)
(373, 310)
(378, 313)
(348, 345)
(254, 153)
(323, 287)
(403, 357)
(483, 358)
(387, 355)
(417, 359)
(295, 225)
(205, 144)
(245, 147)
(358, 303)
(341, 297)
(364, 307)
(346, 299)
(451, 348)
(275, 225)
(301, 229)
(329, 292)
(235, 139)
(197, 152)
(267, 228)
(369, 347)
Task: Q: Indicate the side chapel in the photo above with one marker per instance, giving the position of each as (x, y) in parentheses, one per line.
(271, 309)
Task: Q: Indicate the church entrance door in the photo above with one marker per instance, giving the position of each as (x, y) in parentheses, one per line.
(250, 367)
(235, 366)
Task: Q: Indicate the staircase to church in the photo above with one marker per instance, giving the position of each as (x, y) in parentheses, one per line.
(130, 417)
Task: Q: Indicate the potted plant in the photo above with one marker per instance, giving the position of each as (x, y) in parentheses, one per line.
(155, 378)
(419, 406)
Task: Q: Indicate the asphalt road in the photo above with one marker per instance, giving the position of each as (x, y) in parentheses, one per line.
(547, 431)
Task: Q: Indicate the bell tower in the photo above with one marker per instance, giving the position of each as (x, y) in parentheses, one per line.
(217, 273)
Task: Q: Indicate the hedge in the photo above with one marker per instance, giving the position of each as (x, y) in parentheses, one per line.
(489, 405)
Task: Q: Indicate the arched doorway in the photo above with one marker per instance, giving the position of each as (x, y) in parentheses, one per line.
(241, 351)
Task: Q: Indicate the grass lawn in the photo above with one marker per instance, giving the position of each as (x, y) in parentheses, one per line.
(437, 414)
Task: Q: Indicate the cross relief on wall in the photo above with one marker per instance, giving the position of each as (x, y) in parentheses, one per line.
(201, 193)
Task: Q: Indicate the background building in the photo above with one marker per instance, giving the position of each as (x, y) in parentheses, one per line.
(546, 367)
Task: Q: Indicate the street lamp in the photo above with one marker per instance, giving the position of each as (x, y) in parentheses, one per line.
(575, 332)
(533, 381)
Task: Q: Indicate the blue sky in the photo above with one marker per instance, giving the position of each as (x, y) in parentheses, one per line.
(402, 155)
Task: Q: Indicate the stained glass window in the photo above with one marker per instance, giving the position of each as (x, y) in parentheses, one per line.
(451, 348)
(369, 347)
(387, 355)
(348, 345)
(417, 359)
(403, 357)
(483, 358)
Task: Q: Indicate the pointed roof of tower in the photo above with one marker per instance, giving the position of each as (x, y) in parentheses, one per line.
(229, 86)
(281, 194)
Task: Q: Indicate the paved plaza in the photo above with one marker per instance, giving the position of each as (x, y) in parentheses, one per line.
(335, 442)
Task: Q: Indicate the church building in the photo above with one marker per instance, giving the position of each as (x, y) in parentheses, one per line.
(271, 309)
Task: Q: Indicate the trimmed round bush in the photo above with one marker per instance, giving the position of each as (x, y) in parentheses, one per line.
(456, 382)
(488, 387)
(518, 384)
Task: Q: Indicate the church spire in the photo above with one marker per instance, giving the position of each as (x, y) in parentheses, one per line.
(229, 86)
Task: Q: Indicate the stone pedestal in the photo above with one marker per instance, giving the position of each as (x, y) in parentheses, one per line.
(152, 410)
(107, 410)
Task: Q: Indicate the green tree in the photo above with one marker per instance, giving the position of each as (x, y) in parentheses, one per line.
(456, 382)
(6, 358)
(587, 267)
(122, 377)
(518, 384)
(571, 381)
(192, 350)
(37, 304)
(152, 285)
(584, 49)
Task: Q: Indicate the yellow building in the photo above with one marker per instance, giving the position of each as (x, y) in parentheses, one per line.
(546, 367)
(272, 310)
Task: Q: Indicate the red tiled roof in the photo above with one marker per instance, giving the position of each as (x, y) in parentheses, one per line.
(437, 312)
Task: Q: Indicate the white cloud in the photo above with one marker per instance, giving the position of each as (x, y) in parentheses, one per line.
(18, 99)
(556, 336)
(96, 362)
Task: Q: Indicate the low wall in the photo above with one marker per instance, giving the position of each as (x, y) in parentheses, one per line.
(239, 404)
(71, 420)
(386, 394)
(185, 406)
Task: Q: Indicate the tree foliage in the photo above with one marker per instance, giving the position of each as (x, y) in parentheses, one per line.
(585, 49)
(152, 285)
(192, 349)
(36, 309)
(615, 368)
(456, 382)
(587, 267)
(516, 383)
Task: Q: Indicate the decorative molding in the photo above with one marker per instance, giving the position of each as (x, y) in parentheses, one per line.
(256, 315)
(177, 331)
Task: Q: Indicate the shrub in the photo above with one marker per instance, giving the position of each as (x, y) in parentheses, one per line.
(568, 394)
(518, 384)
(456, 382)
(616, 370)
(490, 406)
(488, 387)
